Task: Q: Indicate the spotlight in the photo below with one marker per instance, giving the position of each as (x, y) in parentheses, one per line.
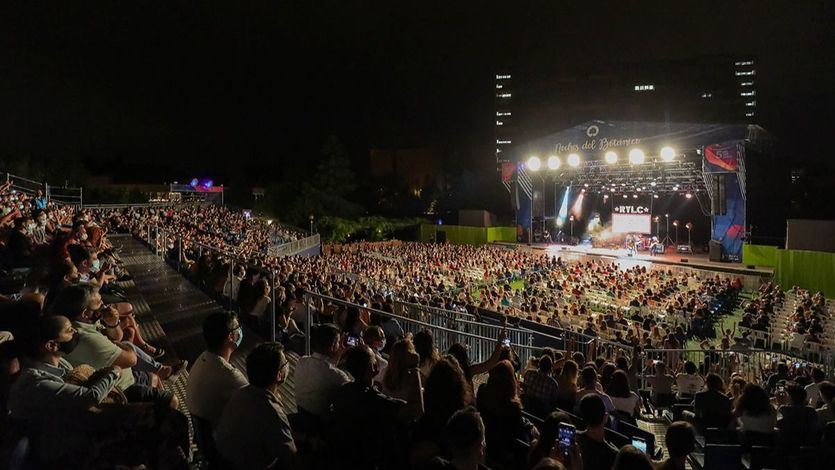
(605, 196)
(586, 185)
(668, 154)
(634, 196)
(636, 156)
(655, 196)
(675, 223)
(652, 184)
(675, 188)
(534, 163)
(625, 196)
(573, 160)
(688, 195)
(611, 157)
(208, 184)
(193, 183)
(554, 162)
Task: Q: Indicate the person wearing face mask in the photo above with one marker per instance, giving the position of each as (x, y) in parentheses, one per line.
(254, 431)
(374, 337)
(40, 399)
(212, 379)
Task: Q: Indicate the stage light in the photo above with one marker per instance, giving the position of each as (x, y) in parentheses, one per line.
(208, 184)
(675, 223)
(689, 226)
(656, 219)
(688, 195)
(625, 196)
(653, 184)
(605, 196)
(554, 162)
(668, 154)
(636, 156)
(573, 160)
(193, 183)
(611, 157)
(655, 196)
(534, 163)
(634, 196)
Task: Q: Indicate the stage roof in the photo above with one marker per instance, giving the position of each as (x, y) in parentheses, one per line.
(598, 136)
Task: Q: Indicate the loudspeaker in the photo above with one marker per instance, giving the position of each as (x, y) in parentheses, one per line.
(714, 250)
(719, 206)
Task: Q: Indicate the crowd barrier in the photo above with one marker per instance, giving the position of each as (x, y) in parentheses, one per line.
(61, 194)
(295, 246)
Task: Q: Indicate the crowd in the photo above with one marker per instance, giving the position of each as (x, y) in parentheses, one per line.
(82, 384)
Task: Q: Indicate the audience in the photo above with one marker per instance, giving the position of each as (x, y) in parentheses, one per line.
(317, 377)
(598, 453)
(798, 425)
(541, 390)
(680, 440)
(499, 404)
(712, 407)
(464, 437)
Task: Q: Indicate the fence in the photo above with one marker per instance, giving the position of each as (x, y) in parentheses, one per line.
(60, 194)
(295, 246)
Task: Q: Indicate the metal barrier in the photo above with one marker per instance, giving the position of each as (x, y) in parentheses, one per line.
(60, 194)
(479, 347)
(295, 246)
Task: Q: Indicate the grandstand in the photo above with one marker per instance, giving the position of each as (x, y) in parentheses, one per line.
(447, 320)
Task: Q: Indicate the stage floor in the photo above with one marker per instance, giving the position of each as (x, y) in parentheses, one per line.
(699, 261)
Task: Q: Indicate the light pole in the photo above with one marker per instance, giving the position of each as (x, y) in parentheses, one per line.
(675, 224)
(689, 227)
(571, 241)
(311, 224)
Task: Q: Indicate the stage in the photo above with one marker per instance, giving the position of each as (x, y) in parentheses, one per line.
(752, 276)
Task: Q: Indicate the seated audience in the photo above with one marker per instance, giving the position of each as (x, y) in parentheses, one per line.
(541, 390)
(253, 432)
(712, 407)
(499, 404)
(317, 377)
(597, 452)
(631, 458)
(546, 443)
(212, 379)
(591, 386)
(464, 437)
(755, 415)
(826, 413)
(680, 440)
(625, 400)
(689, 383)
(798, 425)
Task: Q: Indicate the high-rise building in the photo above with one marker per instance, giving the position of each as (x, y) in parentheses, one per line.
(504, 117)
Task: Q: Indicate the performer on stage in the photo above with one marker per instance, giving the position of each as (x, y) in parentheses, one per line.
(631, 245)
(653, 247)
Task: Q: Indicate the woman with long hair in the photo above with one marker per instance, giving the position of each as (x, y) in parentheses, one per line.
(755, 414)
(425, 347)
(401, 378)
(624, 399)
(446, 391)
(567, 385)
(501, 408)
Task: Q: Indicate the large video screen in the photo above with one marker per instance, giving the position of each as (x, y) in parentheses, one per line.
(631, 223)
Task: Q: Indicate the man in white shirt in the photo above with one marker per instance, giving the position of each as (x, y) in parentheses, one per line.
(254, 431)
(375, 339)
(689, 383)
(212, 379)
(813, 389)
(317, 378)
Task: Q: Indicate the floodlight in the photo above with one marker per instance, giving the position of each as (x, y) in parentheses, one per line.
(573, 160)
(554, 162)
(534, 163)
(668, 154)
(636, 156)
(611, 157)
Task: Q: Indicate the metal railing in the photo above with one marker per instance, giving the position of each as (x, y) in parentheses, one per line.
(295, 246)
(58, 194)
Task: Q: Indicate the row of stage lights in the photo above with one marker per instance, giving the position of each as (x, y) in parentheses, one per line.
(636, 157)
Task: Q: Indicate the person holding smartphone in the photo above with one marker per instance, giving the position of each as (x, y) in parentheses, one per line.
(598, 453)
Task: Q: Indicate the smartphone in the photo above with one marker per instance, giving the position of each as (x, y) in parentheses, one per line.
(352, 341)
(797, 365)
(640, 443)
(781, 388)
(506, 342)
(565, 438)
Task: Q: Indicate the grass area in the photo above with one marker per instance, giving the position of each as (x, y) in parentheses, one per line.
(515, 285)
(728, 322)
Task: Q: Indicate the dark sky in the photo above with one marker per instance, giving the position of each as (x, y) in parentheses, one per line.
(170, 88)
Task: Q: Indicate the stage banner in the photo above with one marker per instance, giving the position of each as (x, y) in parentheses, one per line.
(723, 158)
(508, 169)
(729, 229)
(642, 205)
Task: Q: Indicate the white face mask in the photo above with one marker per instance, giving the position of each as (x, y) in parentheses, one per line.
(83, 236)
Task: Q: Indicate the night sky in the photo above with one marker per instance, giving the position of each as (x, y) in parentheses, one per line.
(161, 90)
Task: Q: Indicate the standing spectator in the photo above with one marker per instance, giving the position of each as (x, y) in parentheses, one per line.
(799, 423)
(317, 378)
(712, 407)
(253, 432)
(598, 453)
(541, 391)
(688, 382)
(680, 440)
(567, 383)
(212, 379)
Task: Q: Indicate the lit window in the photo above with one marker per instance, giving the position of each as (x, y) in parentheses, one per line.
(502, 142)
(644, 87)
(745, 62)
(499, 87)
(745, 73)
(503, 95)
(749, 114)
(499, 123)
(748, 93)
(749, 83)
(751, 103)
(707, 95)
(502, 77)
(502, 113)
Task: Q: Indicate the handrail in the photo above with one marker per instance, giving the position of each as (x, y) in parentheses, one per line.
(295, 246)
